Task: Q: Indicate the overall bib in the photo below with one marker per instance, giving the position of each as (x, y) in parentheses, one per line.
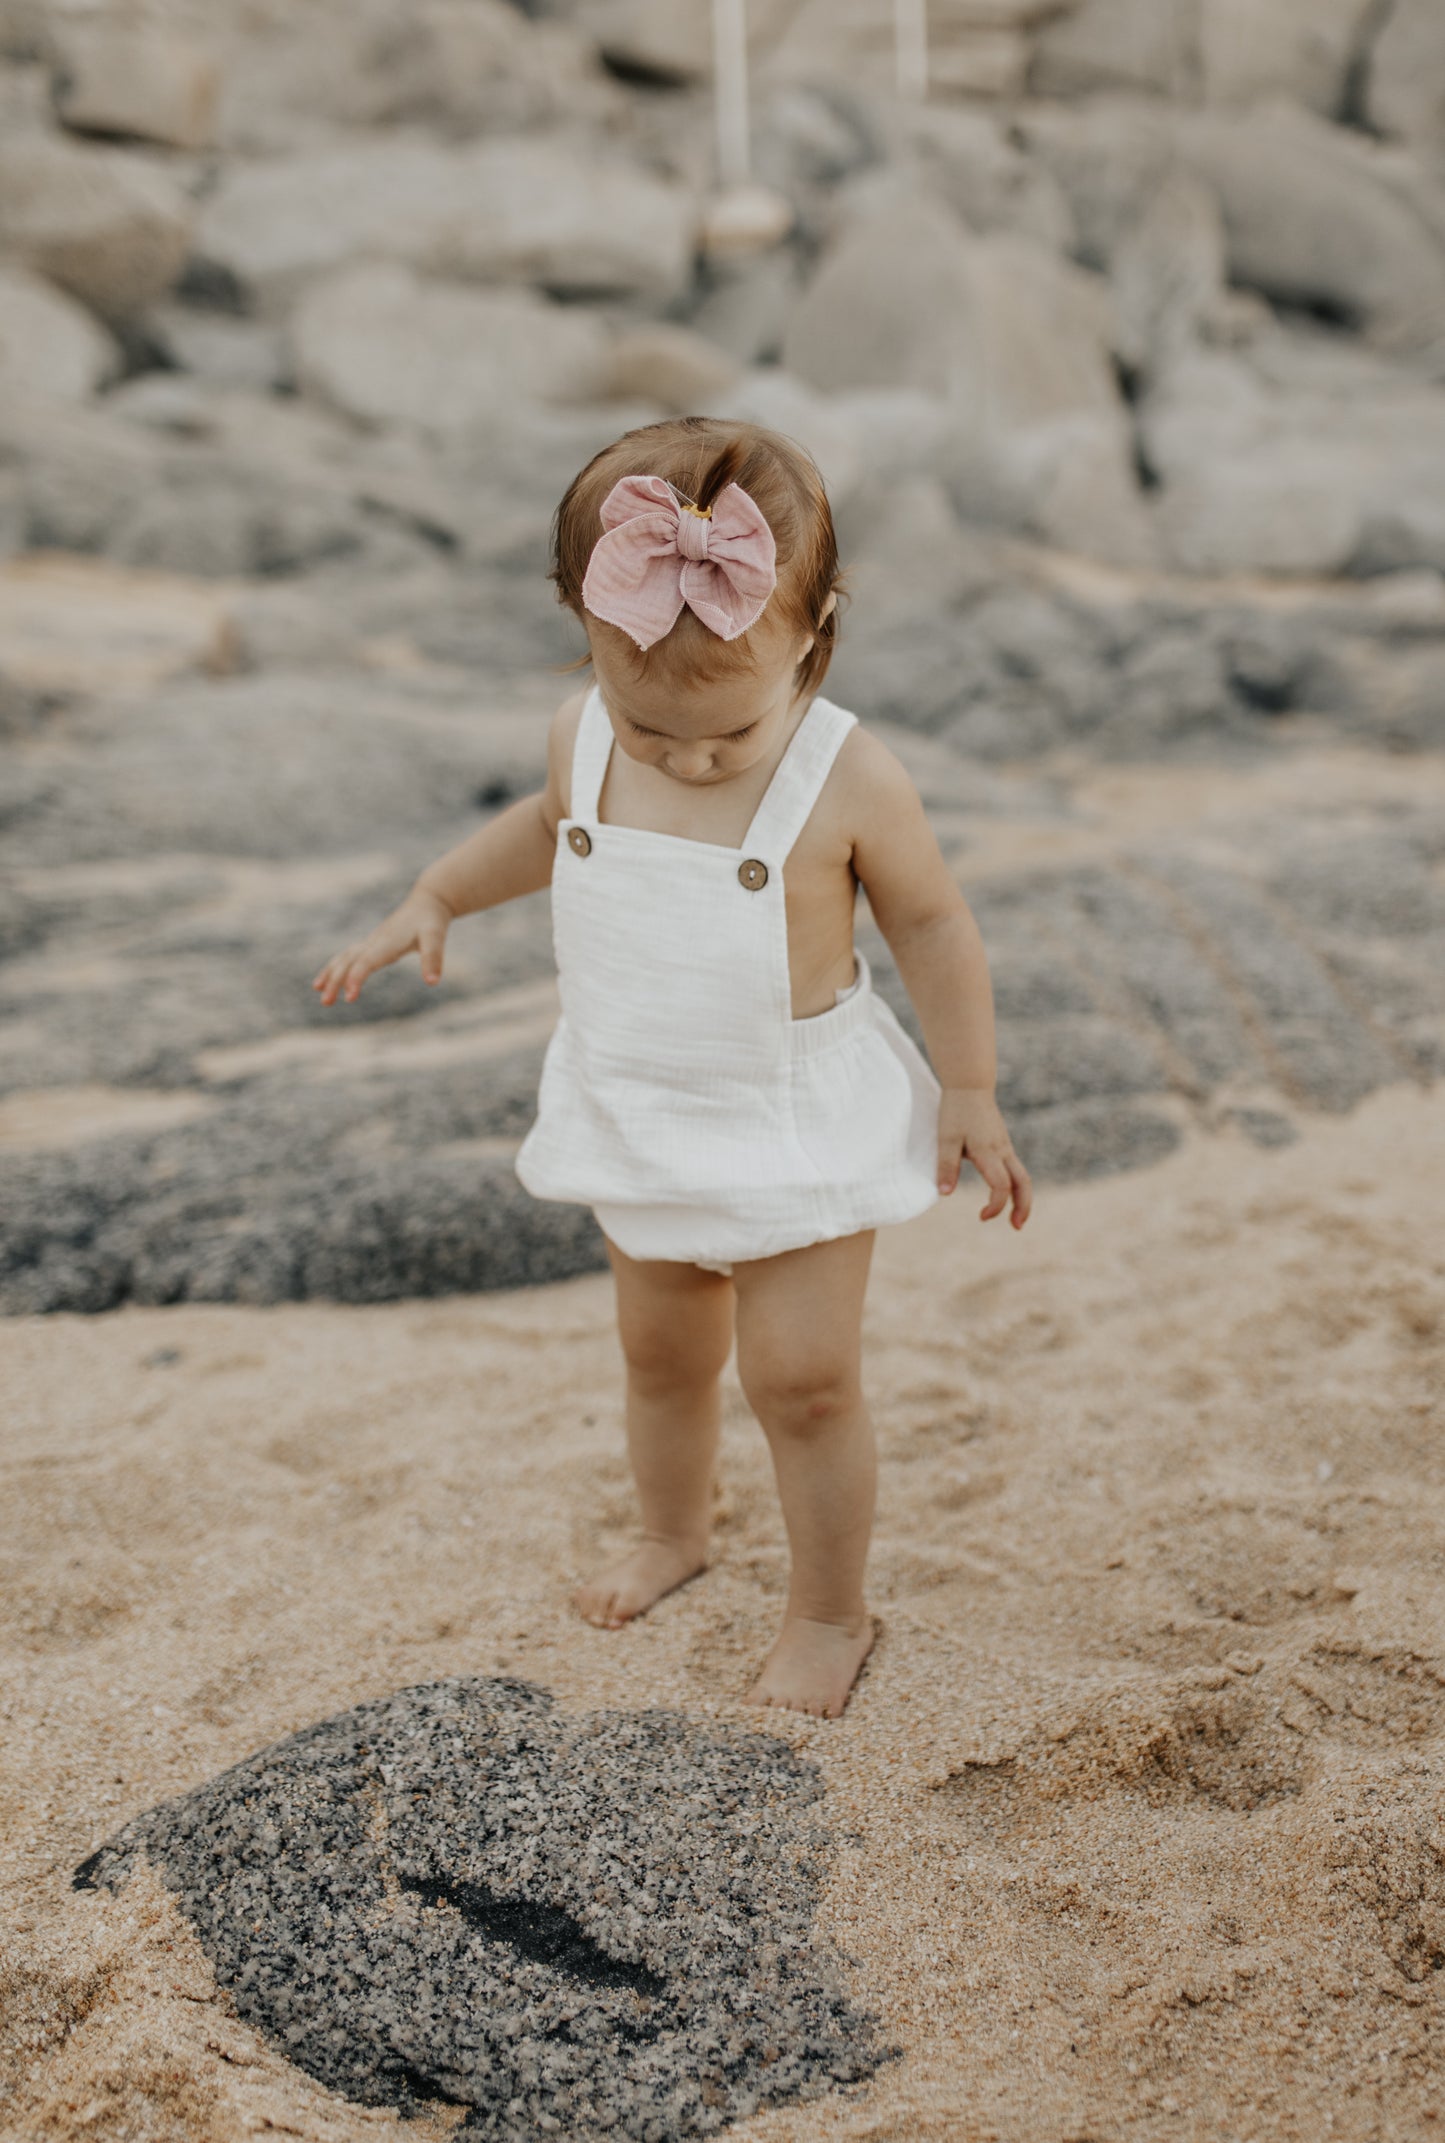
(679, 1097)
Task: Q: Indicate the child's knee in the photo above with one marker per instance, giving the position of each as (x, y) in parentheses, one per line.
(798, 1397)
(672, 1355)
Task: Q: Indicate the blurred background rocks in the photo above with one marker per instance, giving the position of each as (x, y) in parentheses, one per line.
(1124, 358)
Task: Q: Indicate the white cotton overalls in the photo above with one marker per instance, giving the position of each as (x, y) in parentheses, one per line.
(679, 1097)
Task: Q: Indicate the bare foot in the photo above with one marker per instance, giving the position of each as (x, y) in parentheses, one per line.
(814, 1665)
(636, 1583)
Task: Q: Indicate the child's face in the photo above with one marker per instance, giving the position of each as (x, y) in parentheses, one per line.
(712, 729)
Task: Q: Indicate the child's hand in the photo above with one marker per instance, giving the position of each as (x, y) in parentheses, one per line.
(969, 1125)
(419, 925)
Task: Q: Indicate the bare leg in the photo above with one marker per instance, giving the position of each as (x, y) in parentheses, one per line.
(799, 1320)
(675, 1323)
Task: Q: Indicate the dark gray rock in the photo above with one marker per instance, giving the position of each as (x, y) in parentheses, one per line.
(187, 971)
(1407, 68)
(1025, 980)
(22, 709)
(1108, 156)
(743, 306)
(484, 622)
(1265, 1127)
(1009, 723)
(1297, 455)
(176, 979)
(1009, 673)
(1400, 986)
(1263, 664)
(87, 482)
(1366, 885)
(1324, 1049)
(923, 678)
(529, 209)
(1136, 936)
(565, 1924)
(215, 523)
(1312, 218)
(1033, 637)
(1064, 1057)
(1173, 685)
(1000, 673)
(1067, 1143)
(974, 161)
(1398, 703)
(1096, 46)
(218, 347)
(176, 470)
(362, 1193)
(812, 135)
(19, 924)
(1167, 276)
(280, 766)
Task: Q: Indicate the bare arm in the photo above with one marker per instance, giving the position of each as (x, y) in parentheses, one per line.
(509, 856)
(930, 930)
(513, 853)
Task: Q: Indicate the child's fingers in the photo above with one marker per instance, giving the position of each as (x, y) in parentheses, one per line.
(432, 942)
(358, 967)
(1000, 1184)
(950, 1160)
(344, 975)
(1023, 1191)
(329, 979)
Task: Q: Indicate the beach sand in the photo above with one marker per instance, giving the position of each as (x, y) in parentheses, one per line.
(1140, 1806)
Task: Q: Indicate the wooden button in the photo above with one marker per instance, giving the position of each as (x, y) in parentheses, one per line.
(579, 840)
(753, 875)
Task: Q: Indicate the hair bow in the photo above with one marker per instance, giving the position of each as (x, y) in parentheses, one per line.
(659, 552)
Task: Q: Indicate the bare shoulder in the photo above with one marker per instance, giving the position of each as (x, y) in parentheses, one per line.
(864, 759)
(875, 792)
(895, 852)
(561, 743)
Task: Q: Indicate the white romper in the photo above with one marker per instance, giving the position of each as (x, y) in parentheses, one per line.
(679, 1097)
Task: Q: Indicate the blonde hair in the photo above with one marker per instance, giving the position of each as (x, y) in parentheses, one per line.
(699, 457)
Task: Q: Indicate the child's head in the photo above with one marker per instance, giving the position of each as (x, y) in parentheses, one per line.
(786, 652)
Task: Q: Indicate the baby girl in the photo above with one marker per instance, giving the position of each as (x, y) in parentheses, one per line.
(724, 1087)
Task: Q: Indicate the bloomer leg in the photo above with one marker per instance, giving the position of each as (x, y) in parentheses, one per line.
(675, 1323)
(799, 1333)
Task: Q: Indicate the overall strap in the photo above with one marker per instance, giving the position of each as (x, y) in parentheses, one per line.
(797, 781)
(590, 754)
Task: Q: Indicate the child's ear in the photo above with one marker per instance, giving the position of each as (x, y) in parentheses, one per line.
(829, 607)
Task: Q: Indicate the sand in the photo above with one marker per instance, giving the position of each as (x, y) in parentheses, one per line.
(1139, 1811)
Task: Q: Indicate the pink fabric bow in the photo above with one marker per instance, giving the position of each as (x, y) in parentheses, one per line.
(658, 554)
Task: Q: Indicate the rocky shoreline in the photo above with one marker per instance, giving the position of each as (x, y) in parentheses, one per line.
(1123, 357)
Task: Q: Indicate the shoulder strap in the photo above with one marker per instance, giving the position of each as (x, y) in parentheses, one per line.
(590, 753)
(797, 781)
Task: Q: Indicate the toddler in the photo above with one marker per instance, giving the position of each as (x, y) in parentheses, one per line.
(724, 1086)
